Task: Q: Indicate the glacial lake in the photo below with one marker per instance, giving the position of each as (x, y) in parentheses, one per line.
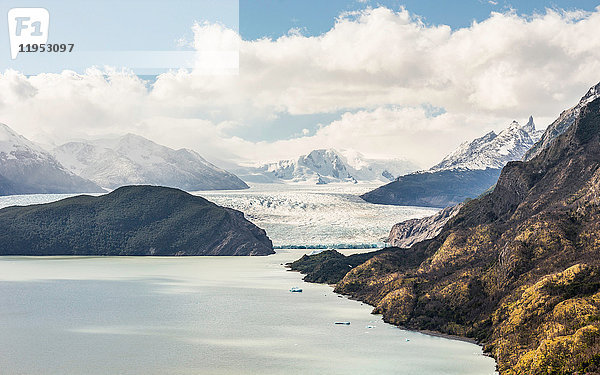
(216, 315)
(200, 315)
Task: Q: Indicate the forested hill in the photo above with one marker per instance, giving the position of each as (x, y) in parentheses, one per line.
(132, 220)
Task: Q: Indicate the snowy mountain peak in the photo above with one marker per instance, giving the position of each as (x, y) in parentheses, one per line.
(323, 166)
(593, 93)
(492, 150)
(12, 142)
(133, 159)
(5, 132)
(325, 163)
(26, 168)
(530, 126)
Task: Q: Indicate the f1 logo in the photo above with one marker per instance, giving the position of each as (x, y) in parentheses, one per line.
(27, 26)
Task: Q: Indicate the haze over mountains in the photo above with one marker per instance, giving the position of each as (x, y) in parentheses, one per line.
(324, 166)
(26, 168)
(132, 159)
(465, 173)
(91, 166)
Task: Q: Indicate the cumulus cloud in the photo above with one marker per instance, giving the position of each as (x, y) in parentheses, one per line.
(382, 69)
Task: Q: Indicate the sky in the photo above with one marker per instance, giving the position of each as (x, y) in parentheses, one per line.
(274, 18)
(390, 79)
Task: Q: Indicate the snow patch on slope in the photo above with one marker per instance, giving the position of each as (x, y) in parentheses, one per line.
(492, 150)
(132, 159)
(325, 166)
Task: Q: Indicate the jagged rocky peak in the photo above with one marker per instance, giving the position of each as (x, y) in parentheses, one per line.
(465, 173)
(492, 150)
(530, 126)
(322, 166)
(592, 94)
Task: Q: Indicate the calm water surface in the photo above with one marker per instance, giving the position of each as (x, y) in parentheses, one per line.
(200, 315)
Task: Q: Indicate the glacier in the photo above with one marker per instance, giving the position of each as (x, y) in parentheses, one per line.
(317, 216)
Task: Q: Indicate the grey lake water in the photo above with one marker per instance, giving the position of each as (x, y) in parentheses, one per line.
(208, 315)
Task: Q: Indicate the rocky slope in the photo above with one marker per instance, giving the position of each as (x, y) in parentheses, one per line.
(132, 220)
(25, 168)
(465, 173)
(325, 166)
(132, 159)
(409, 232)
(562, 123)
(517, 269)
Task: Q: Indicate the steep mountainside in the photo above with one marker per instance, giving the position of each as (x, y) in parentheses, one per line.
(326, 166)
(132, 159)
(562, 123)
(465, 173)
(132, 220)
(27, 169)
(518, 269)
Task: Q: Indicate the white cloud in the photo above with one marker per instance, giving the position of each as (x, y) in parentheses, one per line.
(379, 67)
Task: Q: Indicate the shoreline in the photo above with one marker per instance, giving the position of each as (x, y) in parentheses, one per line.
(421, 331)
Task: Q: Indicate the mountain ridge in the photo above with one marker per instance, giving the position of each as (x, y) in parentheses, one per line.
(133, 159)
(322, 166)
(465, 173)
(25, 168)
(492, 150)
(562, 123)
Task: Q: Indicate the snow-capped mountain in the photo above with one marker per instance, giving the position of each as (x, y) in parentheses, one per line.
(327, 165)
(465, 173)
(492, 150)
(25, 168)
(132, 159)
(563, 122)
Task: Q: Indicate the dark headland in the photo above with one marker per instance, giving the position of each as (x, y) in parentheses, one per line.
(132, 220)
